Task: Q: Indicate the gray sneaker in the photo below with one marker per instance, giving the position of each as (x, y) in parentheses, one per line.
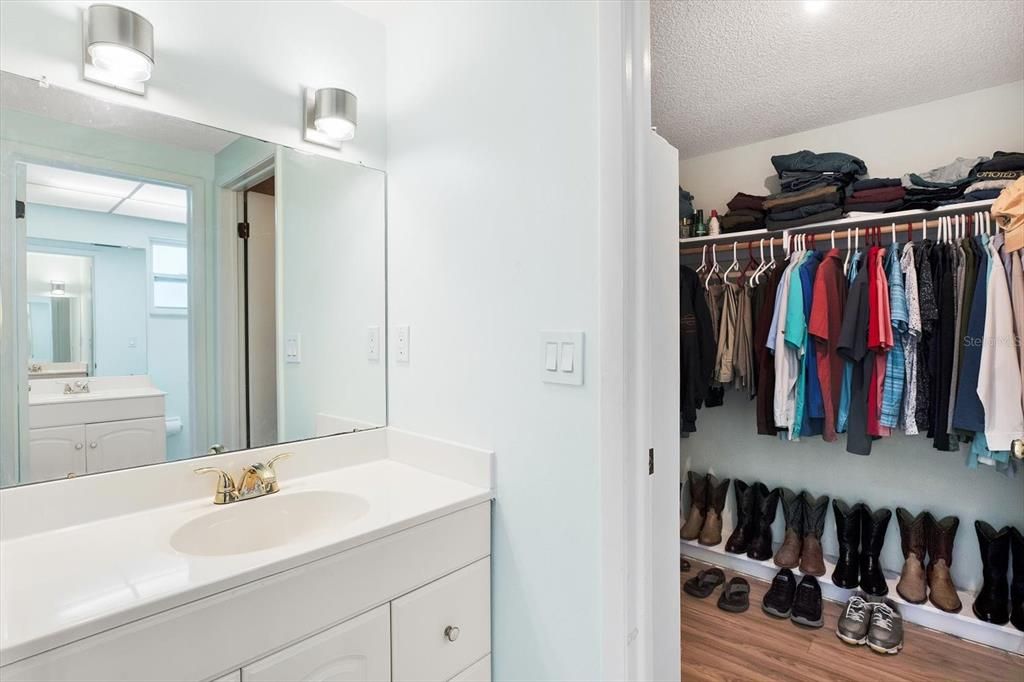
(886, 633)
(855, 620)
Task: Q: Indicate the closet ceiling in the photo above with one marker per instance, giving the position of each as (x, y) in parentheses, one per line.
(727, 73)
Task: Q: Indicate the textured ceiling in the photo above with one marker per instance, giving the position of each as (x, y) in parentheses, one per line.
(729, 73)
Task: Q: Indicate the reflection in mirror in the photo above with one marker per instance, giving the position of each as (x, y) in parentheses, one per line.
(180, 289)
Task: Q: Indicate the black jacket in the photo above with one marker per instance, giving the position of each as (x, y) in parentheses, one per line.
(696, 348)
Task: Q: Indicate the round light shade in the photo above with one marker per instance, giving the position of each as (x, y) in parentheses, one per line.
(120, 42)
(334, 113)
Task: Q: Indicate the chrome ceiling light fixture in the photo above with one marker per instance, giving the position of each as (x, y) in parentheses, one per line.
(117, 46)
(330, 117)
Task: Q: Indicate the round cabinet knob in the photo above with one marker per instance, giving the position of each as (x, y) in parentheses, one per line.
(451, 633)
(92, 445)
(78, 446)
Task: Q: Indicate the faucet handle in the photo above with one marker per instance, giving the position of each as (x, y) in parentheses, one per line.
(225, 485)
(272, 485)
(270, 464)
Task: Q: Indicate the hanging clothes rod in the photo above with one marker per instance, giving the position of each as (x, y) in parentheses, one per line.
(904, 221)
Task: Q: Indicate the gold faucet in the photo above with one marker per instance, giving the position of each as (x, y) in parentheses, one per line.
(256, 480)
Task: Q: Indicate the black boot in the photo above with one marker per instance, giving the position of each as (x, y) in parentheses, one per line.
(848, 520)
(872, 537)
(991, 604)
(1017, 585)
(765, 505)
(741, 534)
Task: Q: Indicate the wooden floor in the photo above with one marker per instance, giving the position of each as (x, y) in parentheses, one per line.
(718, 645)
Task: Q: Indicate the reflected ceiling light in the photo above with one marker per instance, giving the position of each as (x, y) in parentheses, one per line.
(330, 116)
(57, 288)
(118, 48)
(815, 6)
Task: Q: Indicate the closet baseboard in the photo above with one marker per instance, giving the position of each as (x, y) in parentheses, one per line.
(963, 624)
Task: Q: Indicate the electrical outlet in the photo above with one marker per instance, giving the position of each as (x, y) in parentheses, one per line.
(293, 349)
(373, 343)
(402, 343)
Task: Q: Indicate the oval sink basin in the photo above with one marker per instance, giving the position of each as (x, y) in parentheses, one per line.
(267, 522)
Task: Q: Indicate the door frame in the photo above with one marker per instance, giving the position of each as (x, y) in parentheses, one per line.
(13, 332)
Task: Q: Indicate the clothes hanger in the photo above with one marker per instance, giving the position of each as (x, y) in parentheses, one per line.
(734, 266)
(894, 233)
(756, 277)
(846, 261)
(750, 262)
(833, 239)
(713, 270)
(703, 259)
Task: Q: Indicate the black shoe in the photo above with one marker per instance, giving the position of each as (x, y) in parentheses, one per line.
(807, 603)
(778, 601)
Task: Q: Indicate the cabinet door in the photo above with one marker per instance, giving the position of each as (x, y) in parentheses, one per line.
(442, 628)
(478, 672)
(54, 453)
(125, 444)
(358, 650)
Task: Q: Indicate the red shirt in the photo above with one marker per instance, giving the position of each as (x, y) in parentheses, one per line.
(824, 326)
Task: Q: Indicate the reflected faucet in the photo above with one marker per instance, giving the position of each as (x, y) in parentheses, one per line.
(256, 480)
(77, 387)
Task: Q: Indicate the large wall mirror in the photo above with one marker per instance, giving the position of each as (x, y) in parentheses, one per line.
(171, 290)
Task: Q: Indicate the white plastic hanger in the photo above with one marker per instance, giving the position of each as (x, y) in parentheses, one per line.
(703, 259)
(894, 233)
(735, 266)
(846, 261)
(713, 269)
(833, 239)
(752, 280)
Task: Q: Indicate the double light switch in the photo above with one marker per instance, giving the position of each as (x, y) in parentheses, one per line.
(562, 357)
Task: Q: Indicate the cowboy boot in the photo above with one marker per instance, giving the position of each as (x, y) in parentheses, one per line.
(913, 537)
(788, 554)
(1017, 585)
(711, 532)
(941, 591)
(767, 501)
(698, 506)
(812, 561)
(872, 537)
(991, 603)
(848, 521)
(740, 538)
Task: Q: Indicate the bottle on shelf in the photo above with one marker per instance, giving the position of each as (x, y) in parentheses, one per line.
(700, 228)
(714, 229)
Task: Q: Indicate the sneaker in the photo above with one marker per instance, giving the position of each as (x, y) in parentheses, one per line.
(855, 620)
(778, 601)
(807, 603)
(886, 633)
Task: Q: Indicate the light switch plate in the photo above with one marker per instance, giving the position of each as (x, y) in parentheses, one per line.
(293, 348)
(566, 367)
(402, 343)
(373, 343)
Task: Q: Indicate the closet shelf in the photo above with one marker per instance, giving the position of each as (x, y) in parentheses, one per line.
(691, 245)
(963, 624)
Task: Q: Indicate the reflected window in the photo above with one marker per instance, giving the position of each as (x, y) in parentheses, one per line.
(169, 277)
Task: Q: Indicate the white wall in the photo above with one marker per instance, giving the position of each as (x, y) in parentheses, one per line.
(493, 178)
(233, 66)
(907, 140)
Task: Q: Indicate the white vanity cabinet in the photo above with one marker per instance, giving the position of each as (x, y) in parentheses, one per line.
(57, 452)
(90, 448)
(358, 650)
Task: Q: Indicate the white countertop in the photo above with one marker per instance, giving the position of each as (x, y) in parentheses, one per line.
(62, 585)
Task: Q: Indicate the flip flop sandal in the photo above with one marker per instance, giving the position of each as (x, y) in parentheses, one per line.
(704, 583)
(684, 565)
(736, 596)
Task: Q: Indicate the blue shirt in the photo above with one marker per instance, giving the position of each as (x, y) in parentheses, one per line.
(895, 361)
(844, 393)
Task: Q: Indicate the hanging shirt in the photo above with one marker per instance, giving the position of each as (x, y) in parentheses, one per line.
(943, 342)
(959, 275)
(853, 347)
(910, 340)
(880, 339)
(765, 361)
(785, 356)
(968, 412)
(895, 365)
(811, 412)
(844, 394)
(826, 321)
(929, 318)
(727, 334)
(999, 384)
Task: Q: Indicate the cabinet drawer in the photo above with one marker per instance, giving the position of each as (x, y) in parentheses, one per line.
(478, 672)
(419, 620)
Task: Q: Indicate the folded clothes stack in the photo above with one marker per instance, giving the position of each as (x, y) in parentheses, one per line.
(992, 176)
(942, 185)
(793, 209)
(876, 195)
(746, 212)
(813, 187)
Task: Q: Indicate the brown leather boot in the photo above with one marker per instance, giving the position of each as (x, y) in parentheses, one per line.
(913, 534)
(788, 554)
(711, 533)
(698, 506)
(812, 561)
(941, 591)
